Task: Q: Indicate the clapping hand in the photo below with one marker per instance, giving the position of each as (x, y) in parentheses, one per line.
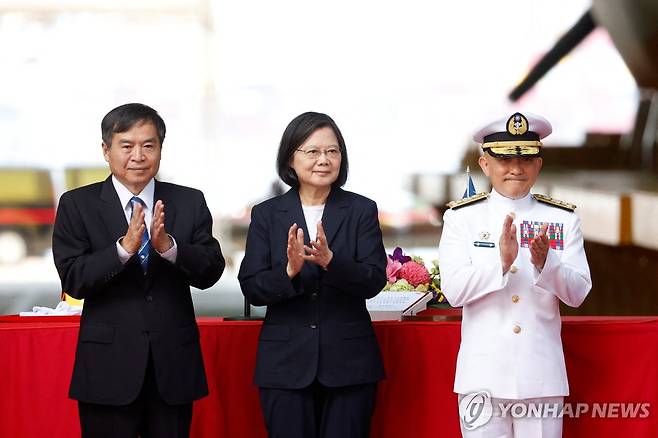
(295, 250)
(539, 248)
(509, 245)
(132, 241)
(319, 252)
(160, 240)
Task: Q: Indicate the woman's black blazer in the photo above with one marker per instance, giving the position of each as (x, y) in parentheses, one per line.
(316, 325)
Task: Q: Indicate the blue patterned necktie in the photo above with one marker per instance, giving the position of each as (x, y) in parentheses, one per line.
(145, 247)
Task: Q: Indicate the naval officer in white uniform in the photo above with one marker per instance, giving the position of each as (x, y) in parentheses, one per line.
(509, 257)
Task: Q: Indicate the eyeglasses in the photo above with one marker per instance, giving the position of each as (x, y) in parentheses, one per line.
(314, 154)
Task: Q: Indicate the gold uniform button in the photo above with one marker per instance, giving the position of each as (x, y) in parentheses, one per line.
(515, 298)
(517, 329)
(513, 269)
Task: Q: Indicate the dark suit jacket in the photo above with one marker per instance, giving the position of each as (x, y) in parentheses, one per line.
(316, 324)
(126, 312)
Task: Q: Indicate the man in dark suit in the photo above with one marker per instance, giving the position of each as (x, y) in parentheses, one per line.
(138, 365)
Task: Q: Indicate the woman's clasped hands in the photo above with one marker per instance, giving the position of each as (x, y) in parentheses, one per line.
(317, 251)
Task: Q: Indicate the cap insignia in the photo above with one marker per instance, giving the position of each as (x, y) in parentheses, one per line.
(517, 124)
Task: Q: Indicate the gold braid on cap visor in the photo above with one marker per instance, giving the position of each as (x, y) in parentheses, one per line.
(513, 147)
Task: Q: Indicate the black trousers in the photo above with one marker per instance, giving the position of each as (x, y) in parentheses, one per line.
(318, 411)
(148, 416)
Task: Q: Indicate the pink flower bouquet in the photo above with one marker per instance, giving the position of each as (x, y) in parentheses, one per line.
(405, 273)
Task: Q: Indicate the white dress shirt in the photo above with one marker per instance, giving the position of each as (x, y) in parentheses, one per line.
(146, 195)
(312, 215)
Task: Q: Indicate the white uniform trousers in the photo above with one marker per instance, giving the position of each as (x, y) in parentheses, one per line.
(508, 426)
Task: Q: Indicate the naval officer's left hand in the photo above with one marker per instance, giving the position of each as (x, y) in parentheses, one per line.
(539, 248)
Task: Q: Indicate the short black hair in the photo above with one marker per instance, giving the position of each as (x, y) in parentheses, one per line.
(296, 133)
(124, 117)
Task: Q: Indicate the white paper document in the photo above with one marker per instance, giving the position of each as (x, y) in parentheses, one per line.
(389, 305)
(63, 308)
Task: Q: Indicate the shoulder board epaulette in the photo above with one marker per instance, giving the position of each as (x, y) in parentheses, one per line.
(454, 205)
(554, 202)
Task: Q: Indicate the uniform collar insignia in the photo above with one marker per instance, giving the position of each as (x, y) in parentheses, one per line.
(554, 202)
(454, 205)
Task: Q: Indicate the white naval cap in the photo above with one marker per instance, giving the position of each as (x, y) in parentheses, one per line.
(517, 135)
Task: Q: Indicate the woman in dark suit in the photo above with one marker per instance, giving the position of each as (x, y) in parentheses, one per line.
(313, 256)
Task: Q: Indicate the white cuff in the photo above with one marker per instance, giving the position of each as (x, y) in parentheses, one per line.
(170, 254)
(124, 255)
(550, 267)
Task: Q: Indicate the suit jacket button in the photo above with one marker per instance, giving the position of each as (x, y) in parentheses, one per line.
(314, 296)
(517, 329)
(513, 269)
(515, 298)
(314, 325)
(149, 298)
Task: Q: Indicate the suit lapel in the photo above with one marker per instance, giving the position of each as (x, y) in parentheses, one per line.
(111, 210)
(290, 212)
(162, 193)
(334, 213)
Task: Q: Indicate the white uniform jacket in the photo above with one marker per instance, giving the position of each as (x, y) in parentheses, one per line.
(511, 344)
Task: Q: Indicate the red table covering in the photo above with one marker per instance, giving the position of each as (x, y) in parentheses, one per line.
(609, 360)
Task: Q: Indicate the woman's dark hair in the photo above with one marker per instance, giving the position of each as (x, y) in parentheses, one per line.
(124, 117)
(296, 133)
